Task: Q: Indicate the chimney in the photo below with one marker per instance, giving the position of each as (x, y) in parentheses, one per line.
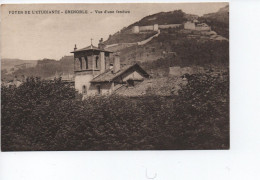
(116, 64)
(101, 45)
(75, 48)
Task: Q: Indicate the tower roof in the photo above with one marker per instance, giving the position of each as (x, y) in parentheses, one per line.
(90, 48)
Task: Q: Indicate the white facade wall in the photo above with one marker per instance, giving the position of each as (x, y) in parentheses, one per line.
(146, 28)
(135, 29)
(189, 25)
(166, 26)
(155, 27)
(82, 79)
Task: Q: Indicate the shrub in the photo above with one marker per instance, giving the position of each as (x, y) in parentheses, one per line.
(41, 115)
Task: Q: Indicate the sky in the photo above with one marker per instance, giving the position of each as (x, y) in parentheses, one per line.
(38, 36)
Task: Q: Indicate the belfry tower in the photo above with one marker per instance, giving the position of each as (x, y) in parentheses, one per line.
(89, 62)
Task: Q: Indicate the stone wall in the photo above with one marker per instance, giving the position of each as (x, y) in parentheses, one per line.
(155, 27)
(146, 28)
(166, 26)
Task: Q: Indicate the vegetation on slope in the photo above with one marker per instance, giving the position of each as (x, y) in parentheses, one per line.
(172, 17)
(126, 36)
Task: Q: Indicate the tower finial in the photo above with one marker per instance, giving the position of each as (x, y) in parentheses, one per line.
(91, 41)
(75, 48)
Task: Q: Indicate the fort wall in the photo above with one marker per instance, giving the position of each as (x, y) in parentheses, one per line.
(155, 27)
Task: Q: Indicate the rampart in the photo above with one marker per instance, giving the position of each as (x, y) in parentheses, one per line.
(155, 27)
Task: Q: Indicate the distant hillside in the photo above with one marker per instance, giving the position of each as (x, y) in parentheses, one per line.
(218, 21)
(41, 68)
(190, 48)
(180, 48)
(12, 64)
(221, 16)
(48, 67)
(125, 35)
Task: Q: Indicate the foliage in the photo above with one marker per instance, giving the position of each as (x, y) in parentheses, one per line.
(220, 27)
(40, 115)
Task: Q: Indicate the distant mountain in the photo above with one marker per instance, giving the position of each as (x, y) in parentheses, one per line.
(8, 64)
(162, 18)
(221, 16)
(44, 68)
(218, 21)
(48, 67)
(178, 47)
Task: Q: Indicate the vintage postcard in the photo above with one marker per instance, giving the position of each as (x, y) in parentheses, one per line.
(144, 76)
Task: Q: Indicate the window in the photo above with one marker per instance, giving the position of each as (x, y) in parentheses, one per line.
(84, 89)
(130, 82)
(99, 89)
(77, 64)
(80, 63)
(86, 59)
(96, 62)
(83, 63)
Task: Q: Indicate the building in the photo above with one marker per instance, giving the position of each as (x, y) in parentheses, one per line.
(196, 26)
(202, 27)
(138, 29)
(94, 76)
(189, 25)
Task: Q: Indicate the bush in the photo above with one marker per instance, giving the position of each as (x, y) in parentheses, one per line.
(40, 115)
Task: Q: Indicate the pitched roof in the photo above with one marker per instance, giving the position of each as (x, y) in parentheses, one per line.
(109, 76)
(90, 48)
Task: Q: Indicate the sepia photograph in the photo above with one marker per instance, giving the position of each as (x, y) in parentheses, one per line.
(122, 76)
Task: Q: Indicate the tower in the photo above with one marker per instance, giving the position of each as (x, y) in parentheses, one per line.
(89, 62)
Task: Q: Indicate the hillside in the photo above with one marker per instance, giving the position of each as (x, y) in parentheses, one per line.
(125, 35)
(12, 64)
(222, 15)
(218, 21)
(42, 68)
(172, 17)
(178, 45)
(48, 67)
(173, 42)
